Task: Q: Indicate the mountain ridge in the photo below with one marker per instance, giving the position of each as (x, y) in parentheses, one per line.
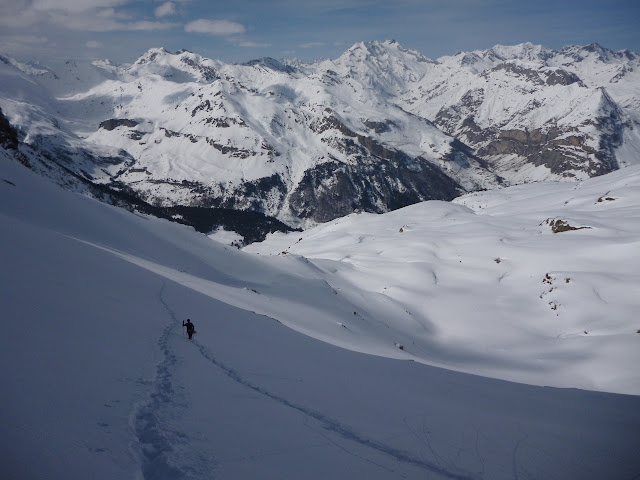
(381, 126)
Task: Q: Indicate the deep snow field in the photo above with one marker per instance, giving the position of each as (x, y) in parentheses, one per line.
(98, 380)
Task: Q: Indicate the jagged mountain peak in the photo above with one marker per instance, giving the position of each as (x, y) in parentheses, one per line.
(162, 55)
(284, 138)
(594, 52)
(179, 67)
(475, 62)
(385, 66)
(603, 54)
(469, 59)
(381, 50)
(526, 51)
(272, 64)
(595, 47)
(152, 54)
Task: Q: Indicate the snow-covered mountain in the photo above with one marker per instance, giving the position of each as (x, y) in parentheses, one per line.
(379, 128)
(98, 376)
(494, 336)
(535, 113)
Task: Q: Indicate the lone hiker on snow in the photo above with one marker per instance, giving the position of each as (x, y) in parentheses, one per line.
(190, 328)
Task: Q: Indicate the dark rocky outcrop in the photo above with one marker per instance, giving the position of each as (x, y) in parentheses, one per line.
(563, 150)
(8, 134)
(114, 123)
(334, 189)
(207, 73)
(272, 64)
(561, 77)
(550, 148)
(374, 179)
(380, 127)
(251, 226)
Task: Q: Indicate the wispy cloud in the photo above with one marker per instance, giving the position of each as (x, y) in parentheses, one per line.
(85, 15)
(166, 9)
(107, 21)
(312, 44)
(214, 27)
(253, 44)
(93, 44)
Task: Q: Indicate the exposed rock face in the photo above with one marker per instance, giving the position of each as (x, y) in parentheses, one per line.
(563, 150)
(8, 134)
(534, 113)
(334, 189)
(586, 146)
(560, 77)
(114, 123)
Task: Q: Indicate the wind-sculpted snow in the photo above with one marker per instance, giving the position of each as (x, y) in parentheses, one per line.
(99, 377)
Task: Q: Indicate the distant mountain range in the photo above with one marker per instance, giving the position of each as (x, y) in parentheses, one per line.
(376, 129)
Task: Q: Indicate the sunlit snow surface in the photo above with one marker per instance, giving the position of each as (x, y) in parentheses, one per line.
(484, 285)
(99, 381)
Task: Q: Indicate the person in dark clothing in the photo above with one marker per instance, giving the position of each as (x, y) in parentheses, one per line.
(190, 328)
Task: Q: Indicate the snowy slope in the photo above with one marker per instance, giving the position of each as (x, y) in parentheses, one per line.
(47, 135)
(99, 378)
(483, 285)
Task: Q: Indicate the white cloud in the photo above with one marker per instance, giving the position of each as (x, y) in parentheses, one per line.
(214, 27)
(16, 14)
(80, 15)
(166, 9)
(253, 44)
(93, 44)
(102, 20)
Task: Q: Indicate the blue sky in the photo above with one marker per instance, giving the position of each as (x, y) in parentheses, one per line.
(239, 30)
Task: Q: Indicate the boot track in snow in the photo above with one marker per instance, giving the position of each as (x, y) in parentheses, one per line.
(158, 441)
(159, 444)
